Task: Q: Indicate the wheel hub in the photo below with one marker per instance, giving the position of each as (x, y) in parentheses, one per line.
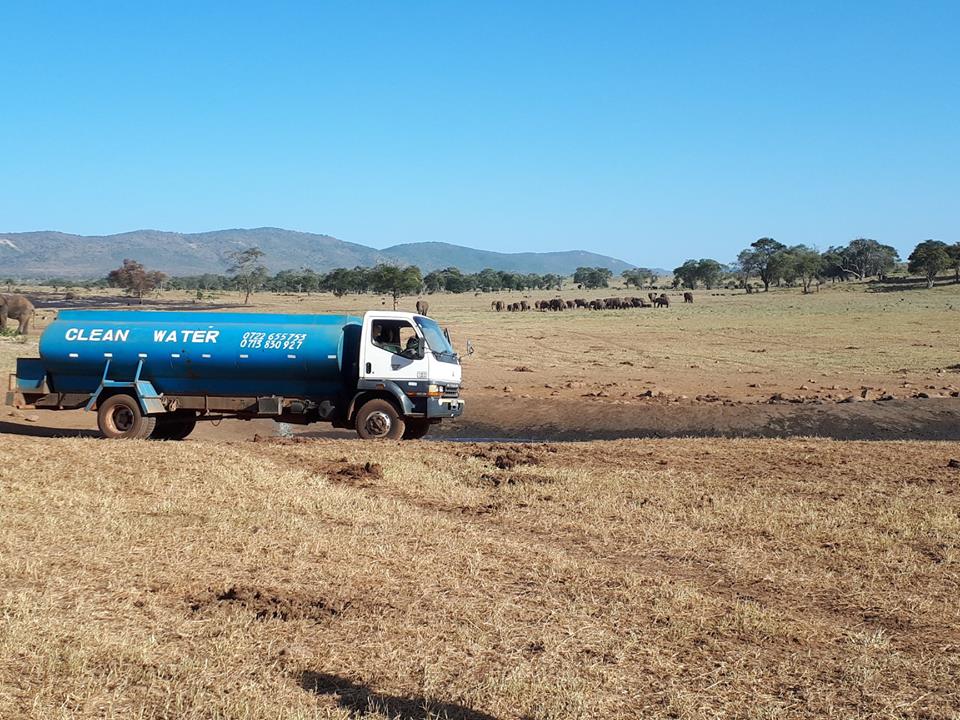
(123, 419)
(378, 424)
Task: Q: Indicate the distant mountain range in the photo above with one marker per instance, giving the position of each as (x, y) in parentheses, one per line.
(35, 255)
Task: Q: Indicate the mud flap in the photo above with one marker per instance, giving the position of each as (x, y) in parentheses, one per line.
(150, 400)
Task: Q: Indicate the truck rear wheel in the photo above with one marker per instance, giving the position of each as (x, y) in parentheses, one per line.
(119, 418)
(174, 426)
(379, 420)
(416, 428)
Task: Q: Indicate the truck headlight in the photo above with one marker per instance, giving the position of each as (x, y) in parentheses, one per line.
(434, 390)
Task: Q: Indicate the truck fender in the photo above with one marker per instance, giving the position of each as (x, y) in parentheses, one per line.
(149, 399)
(374, 388)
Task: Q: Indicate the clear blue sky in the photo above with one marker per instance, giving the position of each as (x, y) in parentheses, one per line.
(649, 131)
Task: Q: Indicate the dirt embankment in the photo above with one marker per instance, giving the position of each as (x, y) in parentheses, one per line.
(909, 419)
(541, 420)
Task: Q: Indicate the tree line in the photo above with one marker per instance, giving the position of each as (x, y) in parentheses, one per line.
(247, 274)
(775, 263)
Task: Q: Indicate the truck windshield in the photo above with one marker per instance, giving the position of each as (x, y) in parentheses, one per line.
(434, 335)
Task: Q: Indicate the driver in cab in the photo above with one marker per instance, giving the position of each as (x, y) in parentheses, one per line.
(387, 337)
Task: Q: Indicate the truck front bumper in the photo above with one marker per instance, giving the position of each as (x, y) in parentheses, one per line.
(444, 407)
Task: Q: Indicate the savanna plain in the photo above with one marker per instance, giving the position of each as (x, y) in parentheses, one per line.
(743, 507)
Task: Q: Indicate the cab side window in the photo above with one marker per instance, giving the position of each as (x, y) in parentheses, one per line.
(394, 336)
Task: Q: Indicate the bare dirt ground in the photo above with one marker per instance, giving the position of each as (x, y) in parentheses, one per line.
(850, 362)
(335, 579)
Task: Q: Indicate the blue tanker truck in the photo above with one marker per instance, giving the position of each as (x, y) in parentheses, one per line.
(388, 375)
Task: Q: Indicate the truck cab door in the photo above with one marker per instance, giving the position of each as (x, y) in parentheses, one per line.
(381, 355)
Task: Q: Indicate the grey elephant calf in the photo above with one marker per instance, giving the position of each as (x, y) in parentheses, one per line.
(16, 307)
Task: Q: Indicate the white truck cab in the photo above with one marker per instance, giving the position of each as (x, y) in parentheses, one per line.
(410, 357)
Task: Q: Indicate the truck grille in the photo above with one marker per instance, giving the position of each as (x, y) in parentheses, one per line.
(451, 391)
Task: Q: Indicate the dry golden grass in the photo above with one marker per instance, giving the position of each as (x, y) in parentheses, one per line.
(626, 579)
(679, 578)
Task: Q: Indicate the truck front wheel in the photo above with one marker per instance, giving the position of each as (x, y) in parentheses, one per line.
(379, 420)
(120, 418)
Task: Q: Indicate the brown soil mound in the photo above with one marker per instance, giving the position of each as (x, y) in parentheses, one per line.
(265, 605)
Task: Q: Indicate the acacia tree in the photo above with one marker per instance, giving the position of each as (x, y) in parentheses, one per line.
(396, 282)
(592, 277)
(763, 258)
(552, 281)
(709, 272)
(929, 258)
(954, 252)
(706, 271)
(311, 280)
(638, 277)
(452, 280)
(339, 281)
(833, 264)
(864, 258)
(247, 270)
(489, 280)
(686, 275)
(135, 279)
(806, 264)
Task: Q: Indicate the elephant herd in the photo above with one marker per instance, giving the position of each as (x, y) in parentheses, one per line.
(16, 307)
(614, 303)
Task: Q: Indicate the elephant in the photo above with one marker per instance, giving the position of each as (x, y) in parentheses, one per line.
(662, 301)
(580, 303)
(688, 297)
(16, 307)
(524, 305)
(498, 305)
(653, 297)
(422, 307)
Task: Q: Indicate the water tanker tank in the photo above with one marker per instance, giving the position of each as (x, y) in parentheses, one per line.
(203, 353)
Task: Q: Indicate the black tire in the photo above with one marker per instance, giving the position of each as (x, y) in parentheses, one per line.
(379, 420)
(119, 418)
(416, 428)
(174, 426)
